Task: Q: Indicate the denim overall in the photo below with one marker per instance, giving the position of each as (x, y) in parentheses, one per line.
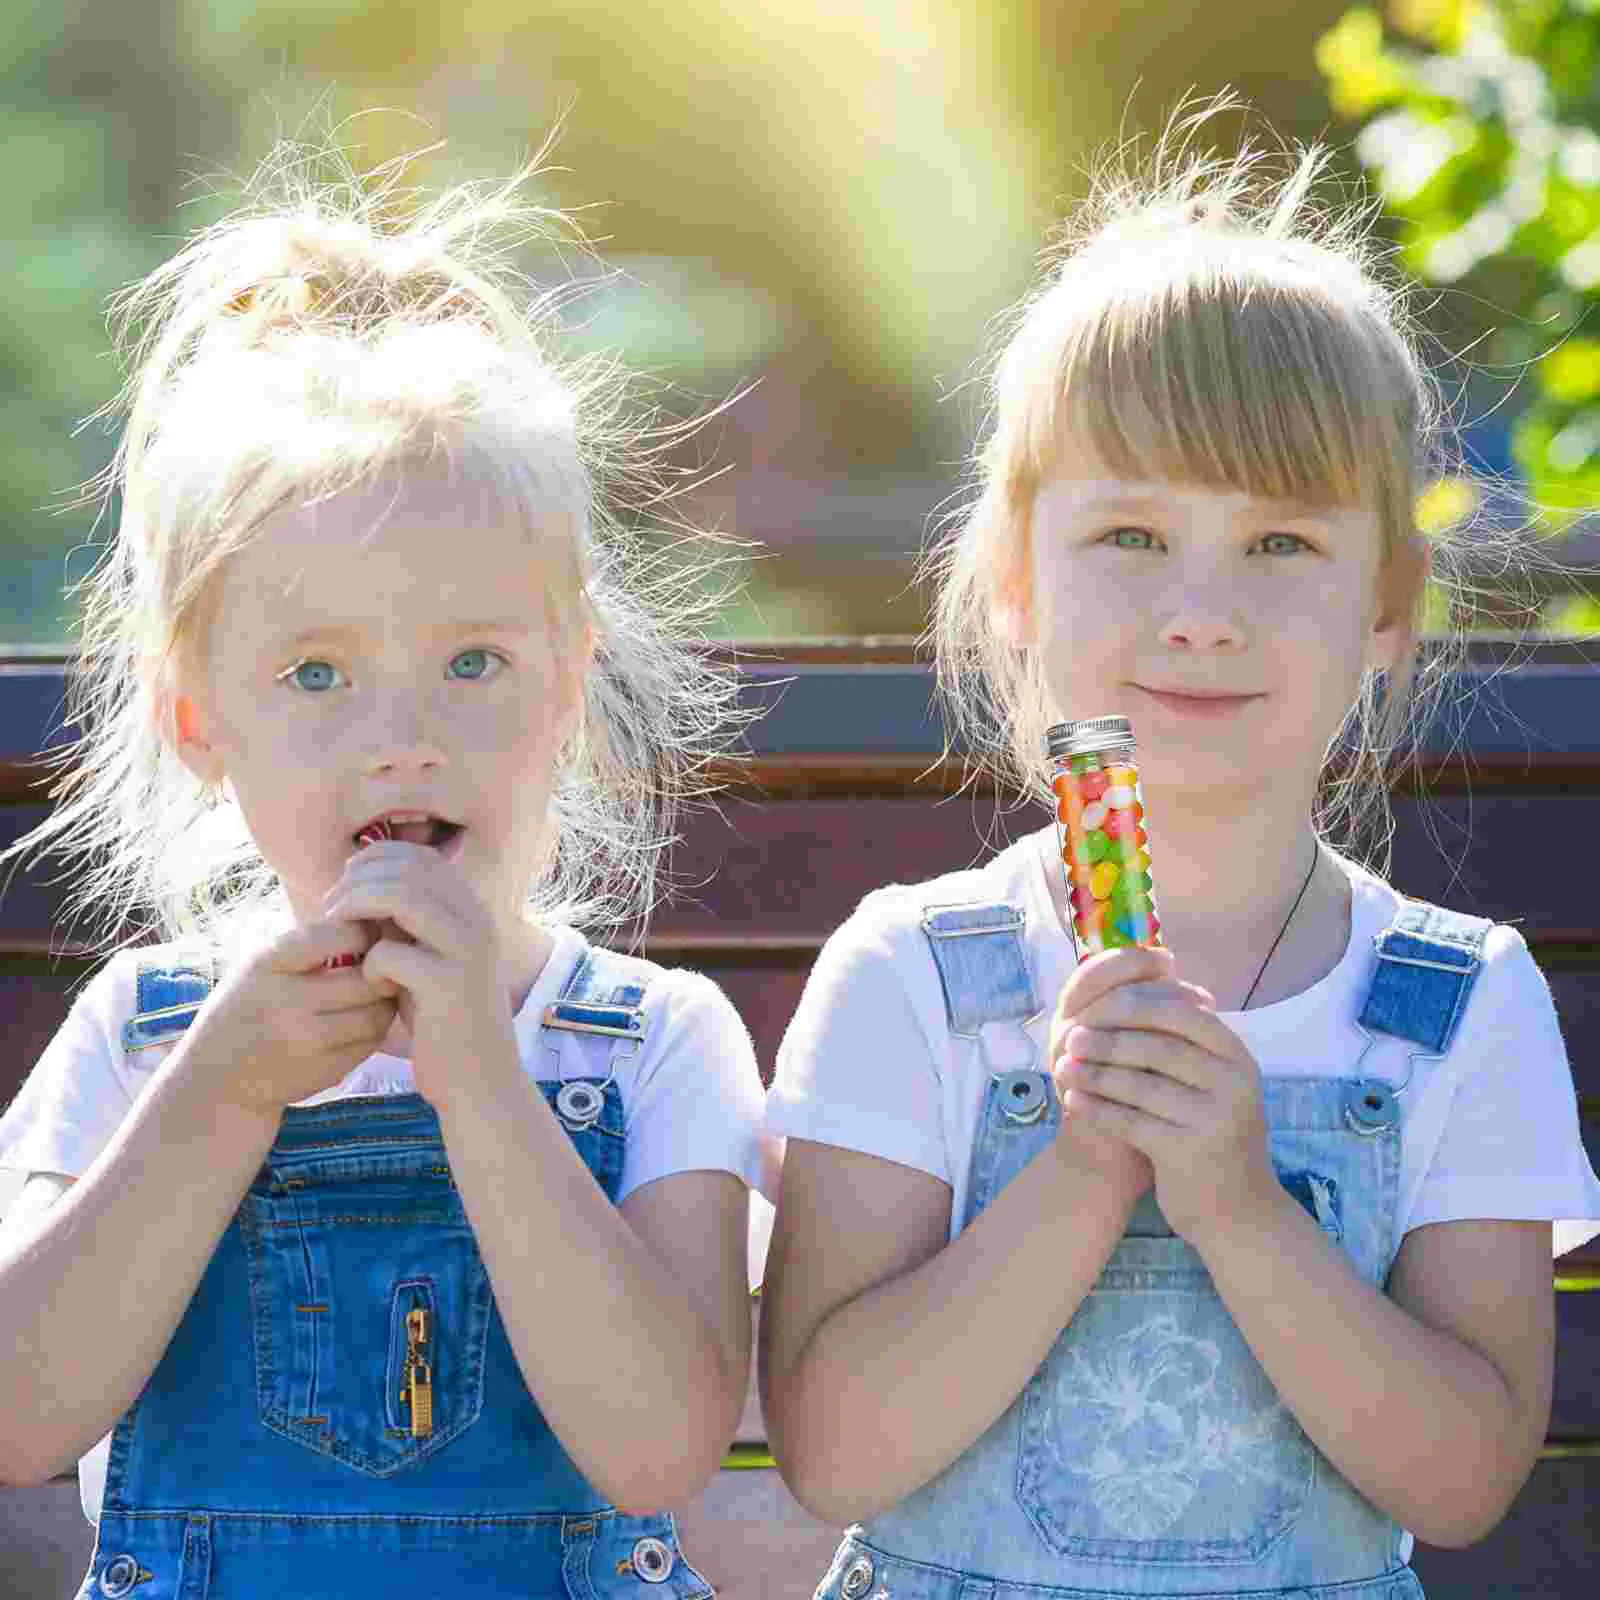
(307, 1433)
(1150, 1454)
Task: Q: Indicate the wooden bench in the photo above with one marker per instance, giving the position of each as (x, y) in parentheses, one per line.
(845, 789)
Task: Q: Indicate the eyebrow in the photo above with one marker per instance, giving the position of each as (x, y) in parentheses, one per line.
(347, 630)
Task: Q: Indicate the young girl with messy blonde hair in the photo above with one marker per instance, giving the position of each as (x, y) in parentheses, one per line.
(395, 1231)
(1218, 1268)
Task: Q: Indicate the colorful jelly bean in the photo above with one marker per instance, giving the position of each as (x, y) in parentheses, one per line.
(1118, 825)
(1092, 786)
(1103, 879)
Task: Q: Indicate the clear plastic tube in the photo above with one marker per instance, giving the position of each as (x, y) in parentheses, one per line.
(1101, 836)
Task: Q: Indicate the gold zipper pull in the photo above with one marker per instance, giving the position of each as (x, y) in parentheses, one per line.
(418, 1392)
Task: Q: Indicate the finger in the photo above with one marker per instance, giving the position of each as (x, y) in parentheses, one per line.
(409, 966)
(395, 859)
(422, 916)
(1094, 1114)
(1169, 1054)
(1151, 1092)
(1107, 970)
(312, 946)
(371, 931)
(1162, 1008)
(342, 990)
(359, 1025)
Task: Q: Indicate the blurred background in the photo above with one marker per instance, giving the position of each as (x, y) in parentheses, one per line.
(830, 200)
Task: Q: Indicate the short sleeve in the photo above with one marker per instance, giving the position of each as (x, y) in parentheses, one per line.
(1510, 1146)
(696, 1095)
(857, 1067)
(77, 1094)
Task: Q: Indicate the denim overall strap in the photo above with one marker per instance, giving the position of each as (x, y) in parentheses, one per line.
(595, 1021)
(984, 975)
(281, 1446)
(1426, 962)
(167, 994)
(983, 968)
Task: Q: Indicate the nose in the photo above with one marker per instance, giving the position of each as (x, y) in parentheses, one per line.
(1201, 618)
(400, 738)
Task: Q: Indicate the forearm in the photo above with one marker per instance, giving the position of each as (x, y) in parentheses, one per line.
(632, 1378)
(120, 1253)
(1425, 1426)
(895, 1384)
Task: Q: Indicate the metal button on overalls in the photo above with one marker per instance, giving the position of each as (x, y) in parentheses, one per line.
(1022, 1095)
(579, 1104)
(652, 1560)
(119, 1577)
(1370, 1107)
(857, 1578)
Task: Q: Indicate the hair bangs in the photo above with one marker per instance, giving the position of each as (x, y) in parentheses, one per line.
(1225, 379)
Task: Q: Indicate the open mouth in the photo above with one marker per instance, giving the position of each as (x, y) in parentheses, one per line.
(434, 832)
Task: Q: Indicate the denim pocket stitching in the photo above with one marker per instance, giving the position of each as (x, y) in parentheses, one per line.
(310, 1431)
(1054, 1487)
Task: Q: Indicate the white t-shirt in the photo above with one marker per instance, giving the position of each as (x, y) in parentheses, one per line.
(691, 1093)
(1488, 1130)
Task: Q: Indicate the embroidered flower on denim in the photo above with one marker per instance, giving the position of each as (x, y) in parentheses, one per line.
(1146, 1424)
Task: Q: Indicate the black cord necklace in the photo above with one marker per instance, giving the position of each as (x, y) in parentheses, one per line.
(1315, 853)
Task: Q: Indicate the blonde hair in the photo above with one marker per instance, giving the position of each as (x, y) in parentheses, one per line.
(1205, 320)
(326, 334)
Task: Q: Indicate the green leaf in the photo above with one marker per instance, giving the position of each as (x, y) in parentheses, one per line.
(1571, 616)
(1571, 373)
(1361, 75)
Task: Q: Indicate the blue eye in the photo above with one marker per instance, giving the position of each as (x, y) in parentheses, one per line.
(1293, 546)
(1129, 538)
(322, 667)
(475, 654)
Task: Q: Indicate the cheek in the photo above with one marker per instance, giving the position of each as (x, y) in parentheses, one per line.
(1080, 616)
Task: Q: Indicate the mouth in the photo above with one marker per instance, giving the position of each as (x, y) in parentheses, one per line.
(1197, 702)
(412, 827)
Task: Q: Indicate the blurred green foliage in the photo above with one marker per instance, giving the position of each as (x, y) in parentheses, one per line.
(834, 197)
(1480, 130)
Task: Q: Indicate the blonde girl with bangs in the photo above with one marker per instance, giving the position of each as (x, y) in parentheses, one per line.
(1221, 1268)
(384, 1232)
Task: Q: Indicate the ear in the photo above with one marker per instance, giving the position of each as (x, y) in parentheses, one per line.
(1400, 592)
(187, 730)
(1011, 593)
(1012, 609)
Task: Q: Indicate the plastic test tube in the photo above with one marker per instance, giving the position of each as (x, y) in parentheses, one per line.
(1100, 832)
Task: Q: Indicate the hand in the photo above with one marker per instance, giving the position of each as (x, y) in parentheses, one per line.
(1125, 1169)
(1149, 1062)
(281, 1026)
(438, 944)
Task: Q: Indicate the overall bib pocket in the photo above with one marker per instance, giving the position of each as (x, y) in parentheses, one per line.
(1150, 1433)
(370, 1304)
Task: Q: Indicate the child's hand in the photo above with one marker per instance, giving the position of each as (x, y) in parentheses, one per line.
(281, 1026)
(1148, 1061)
(438, 944)
(1123, 1167)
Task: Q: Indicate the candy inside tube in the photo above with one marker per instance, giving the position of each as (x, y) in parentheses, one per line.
(1101, 835)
